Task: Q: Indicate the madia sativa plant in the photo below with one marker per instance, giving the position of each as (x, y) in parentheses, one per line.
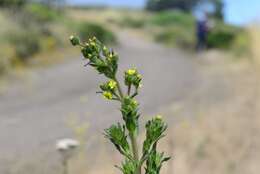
(124, 135)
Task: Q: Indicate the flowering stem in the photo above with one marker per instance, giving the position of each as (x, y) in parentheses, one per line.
(124, 135)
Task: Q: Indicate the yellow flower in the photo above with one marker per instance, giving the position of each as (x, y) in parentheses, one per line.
(131, 71)
(158, 117)
(107, 95)
(139, 76)
(112, 84)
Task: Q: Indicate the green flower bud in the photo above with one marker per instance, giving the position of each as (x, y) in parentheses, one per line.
(74, 40)
(107, 95)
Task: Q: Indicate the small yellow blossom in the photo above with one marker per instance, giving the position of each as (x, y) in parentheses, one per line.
(131, 71)
(112, 84)
(158, 117)
(139, 76)
(107, 95)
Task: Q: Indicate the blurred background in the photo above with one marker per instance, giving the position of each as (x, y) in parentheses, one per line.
(200, 61)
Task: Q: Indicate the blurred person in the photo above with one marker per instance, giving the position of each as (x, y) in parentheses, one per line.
(202, 30)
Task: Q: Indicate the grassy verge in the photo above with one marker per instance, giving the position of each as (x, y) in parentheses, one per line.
(34, 33)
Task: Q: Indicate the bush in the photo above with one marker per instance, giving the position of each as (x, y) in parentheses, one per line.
(173, 17)
(87, 30)
(131, 22)
(41, 13)
(176, 36)
(12, 3)
(222, 36)
(25, 44)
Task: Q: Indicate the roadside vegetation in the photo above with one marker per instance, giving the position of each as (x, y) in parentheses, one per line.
(176, 28)
(37, 29)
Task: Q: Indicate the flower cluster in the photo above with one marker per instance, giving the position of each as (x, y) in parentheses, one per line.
(124, 136)
(129, 110)
(109, 90)
(104, 60)
(132, 77)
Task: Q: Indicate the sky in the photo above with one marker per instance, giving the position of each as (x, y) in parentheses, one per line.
(238, 12)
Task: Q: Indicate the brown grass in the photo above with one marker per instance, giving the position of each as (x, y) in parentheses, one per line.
(223, 138)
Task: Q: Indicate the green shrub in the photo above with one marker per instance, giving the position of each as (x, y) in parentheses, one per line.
(176, 36)
(87, 30)
(25, 44)
(174, 17)
(131, 22)
(42, 13)
(221, 37)
(12, 3)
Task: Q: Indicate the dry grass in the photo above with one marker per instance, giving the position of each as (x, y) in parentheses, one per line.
(223, 137)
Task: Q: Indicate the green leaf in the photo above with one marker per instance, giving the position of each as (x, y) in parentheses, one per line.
(154, 131)
(117, 135)
(128, 167)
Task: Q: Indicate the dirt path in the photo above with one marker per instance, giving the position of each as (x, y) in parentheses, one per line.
(33, 113)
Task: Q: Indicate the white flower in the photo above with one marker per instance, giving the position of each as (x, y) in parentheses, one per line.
(66, 144)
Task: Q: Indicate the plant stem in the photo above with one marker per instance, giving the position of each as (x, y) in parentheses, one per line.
(119, 89)
(135, 151)
(129, 90)
(65, 166)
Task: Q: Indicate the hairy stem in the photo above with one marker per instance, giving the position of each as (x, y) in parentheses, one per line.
(135, 151)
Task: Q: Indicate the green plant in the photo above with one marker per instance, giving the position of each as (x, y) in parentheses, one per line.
(176, 36)
(173, 17)
(12, 3)
(220, 39)
(124, 135)
(131, 22)
(87, 30)
(223, 35)
(42, 13)
(25, 44)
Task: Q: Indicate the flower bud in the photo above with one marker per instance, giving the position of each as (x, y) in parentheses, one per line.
(158, 117)
(107, 95)
(131, 72)
(74, 40)
(112, 84)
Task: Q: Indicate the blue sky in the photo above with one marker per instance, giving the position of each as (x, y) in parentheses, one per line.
(237, 12)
